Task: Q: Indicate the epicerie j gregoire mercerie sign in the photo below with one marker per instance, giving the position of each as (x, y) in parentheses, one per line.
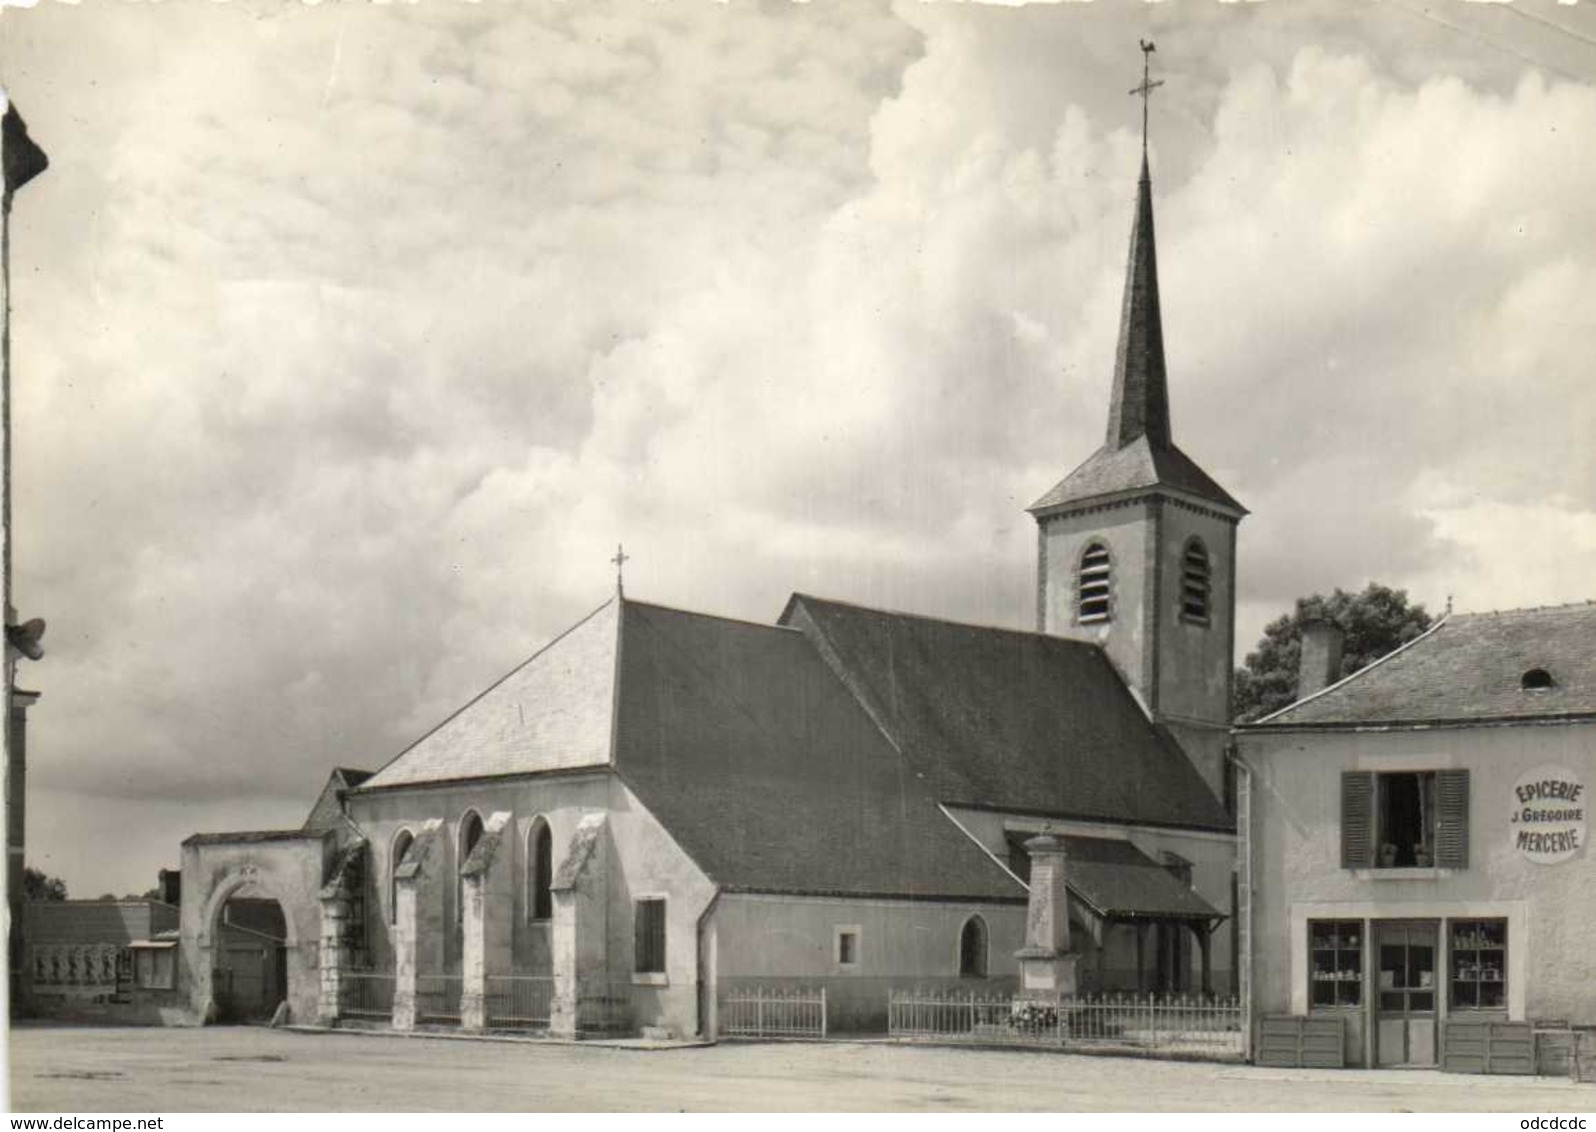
(1548, 822)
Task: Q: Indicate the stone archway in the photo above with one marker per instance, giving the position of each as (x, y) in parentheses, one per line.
(287, 868)
(249, 957)
(216, 954)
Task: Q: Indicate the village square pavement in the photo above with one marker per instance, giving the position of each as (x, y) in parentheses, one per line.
(84, 1069)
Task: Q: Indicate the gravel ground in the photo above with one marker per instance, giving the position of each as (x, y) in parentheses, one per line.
(86, 1069)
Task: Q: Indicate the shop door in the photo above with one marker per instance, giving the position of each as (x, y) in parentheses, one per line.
(1405, 1005)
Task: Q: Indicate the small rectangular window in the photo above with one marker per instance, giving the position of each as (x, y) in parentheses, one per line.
(1335, 962)
(1478, 964)
(649, 924)
(847, 947)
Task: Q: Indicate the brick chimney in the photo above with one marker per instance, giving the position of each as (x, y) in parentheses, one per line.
(1320, 664)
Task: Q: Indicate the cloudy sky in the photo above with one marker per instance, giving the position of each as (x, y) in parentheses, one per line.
(349, 340)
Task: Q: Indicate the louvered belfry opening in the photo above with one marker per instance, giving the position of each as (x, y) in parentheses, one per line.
(1194, 582)
(1094, 590)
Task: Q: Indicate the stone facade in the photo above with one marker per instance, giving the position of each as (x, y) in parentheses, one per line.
(289, 867)
(1299, 878)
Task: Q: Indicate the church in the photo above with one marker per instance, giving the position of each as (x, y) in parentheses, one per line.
(660, 806)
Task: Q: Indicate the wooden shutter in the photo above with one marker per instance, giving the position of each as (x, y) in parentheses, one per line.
(1357, 819)
(1452, 819)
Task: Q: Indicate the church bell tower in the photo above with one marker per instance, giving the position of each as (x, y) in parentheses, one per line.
(1136, 548)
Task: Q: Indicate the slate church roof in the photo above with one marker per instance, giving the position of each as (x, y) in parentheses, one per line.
(1139, 452)
(999, 719)
(742, 742)
(812, 756)
(1469, 667)
(551, 712)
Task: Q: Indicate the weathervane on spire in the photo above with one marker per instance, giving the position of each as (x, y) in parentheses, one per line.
(621, 559)
(1147, 87)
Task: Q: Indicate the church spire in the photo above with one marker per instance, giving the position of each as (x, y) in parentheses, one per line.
(1140, 405)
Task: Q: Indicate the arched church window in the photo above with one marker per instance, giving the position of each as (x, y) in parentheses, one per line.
(470, 834)
(1195, 581)
(1095, 576)
(540, 871)
(396, 856)
(972, 949)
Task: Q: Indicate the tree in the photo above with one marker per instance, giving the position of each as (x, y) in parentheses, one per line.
(1376, 621)
(37, 886)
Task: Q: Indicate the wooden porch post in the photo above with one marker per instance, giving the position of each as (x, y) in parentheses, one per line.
(1141, 950)
(1205, 935)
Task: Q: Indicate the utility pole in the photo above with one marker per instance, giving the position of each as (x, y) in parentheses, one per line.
(22, 161)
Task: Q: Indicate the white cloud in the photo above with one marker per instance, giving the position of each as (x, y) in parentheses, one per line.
(390, 323)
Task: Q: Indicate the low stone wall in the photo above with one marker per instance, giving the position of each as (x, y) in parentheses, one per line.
(139, 1008)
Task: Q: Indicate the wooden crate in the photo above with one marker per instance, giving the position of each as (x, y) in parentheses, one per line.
(1554, 1051)
(1584, 1055)
(1488, 1047)
(1297, 1042)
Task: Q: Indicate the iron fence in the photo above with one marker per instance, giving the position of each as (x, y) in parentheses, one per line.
(773, 1012)
(365, 994)
(438, 1000)
(519, 1002)
(1188, 1024)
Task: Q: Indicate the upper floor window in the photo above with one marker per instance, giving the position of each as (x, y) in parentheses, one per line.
(396, 857)
(1194, 582)
(1092, 597)
(540, 871)
(1405, 819)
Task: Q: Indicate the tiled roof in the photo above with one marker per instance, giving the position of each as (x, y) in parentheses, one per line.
(550, 713)
(999, 719)
(768, 773)
(1139, 466)
(772, 766)
(1118, 880)
(1469, 667)
(95, 921)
